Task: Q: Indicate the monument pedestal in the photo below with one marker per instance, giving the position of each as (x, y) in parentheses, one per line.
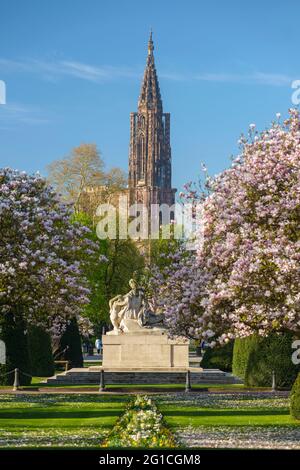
(151, 349)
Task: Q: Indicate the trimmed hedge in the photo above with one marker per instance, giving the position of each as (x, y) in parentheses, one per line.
(241, 351)
(295, 399)
(39, 343)
(17, 354)
(255, 358)
(68, 346)
(218, 358)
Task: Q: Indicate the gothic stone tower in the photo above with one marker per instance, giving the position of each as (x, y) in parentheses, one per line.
(150, 151)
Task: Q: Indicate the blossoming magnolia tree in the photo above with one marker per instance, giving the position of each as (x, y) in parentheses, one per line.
(245, 275)
(41, 253)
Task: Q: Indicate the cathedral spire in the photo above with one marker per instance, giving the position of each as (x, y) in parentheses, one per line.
(150, 98)
(150, 169)
(150, 44)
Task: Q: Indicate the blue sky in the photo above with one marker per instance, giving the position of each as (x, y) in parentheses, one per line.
(73, 71)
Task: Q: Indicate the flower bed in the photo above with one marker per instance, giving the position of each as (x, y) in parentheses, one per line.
(217, 400)
(81, 437)
(240, 437)
(243, 420)
(140, 426)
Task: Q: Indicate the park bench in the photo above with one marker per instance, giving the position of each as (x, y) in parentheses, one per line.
(63, 363)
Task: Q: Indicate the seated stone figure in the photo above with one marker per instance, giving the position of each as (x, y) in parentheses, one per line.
(131, 311)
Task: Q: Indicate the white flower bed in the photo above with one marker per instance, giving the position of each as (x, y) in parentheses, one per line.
(235, 437)
(226, 400)
(78, 437)
(241, 437)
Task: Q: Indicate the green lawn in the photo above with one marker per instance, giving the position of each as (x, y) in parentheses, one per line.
(92, 363)
(233, 420)
(194, 416)
(230, 410)
(57, 420)
(83, 420)
(37, 382)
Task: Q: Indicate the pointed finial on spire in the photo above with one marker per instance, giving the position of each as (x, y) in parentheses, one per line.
(150, 44)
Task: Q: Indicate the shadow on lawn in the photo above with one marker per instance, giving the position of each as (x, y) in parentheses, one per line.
(33, 414)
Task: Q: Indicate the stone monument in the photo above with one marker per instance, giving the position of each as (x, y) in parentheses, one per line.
(139, 340)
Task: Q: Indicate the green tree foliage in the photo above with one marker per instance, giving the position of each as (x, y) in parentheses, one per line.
(40, 351)
(68, 346)
(241, 351)
(295, 399)
(108, 273)
(161, 252)
(259, 356)
(219, 357)
(14, 335)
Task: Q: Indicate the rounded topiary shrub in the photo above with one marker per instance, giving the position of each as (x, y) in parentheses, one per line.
(17, 355)
(68, 346)
(295, 399)
(218, 358)
(40, 351)
(255, 358)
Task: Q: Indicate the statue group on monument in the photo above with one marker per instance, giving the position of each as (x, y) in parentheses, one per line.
(131, 312)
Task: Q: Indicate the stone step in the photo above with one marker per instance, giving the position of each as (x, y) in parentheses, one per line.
(194, 361)
(87, 376)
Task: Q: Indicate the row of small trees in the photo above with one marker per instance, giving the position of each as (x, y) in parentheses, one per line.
(55, 274)
(43, 255)
(244, 277)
